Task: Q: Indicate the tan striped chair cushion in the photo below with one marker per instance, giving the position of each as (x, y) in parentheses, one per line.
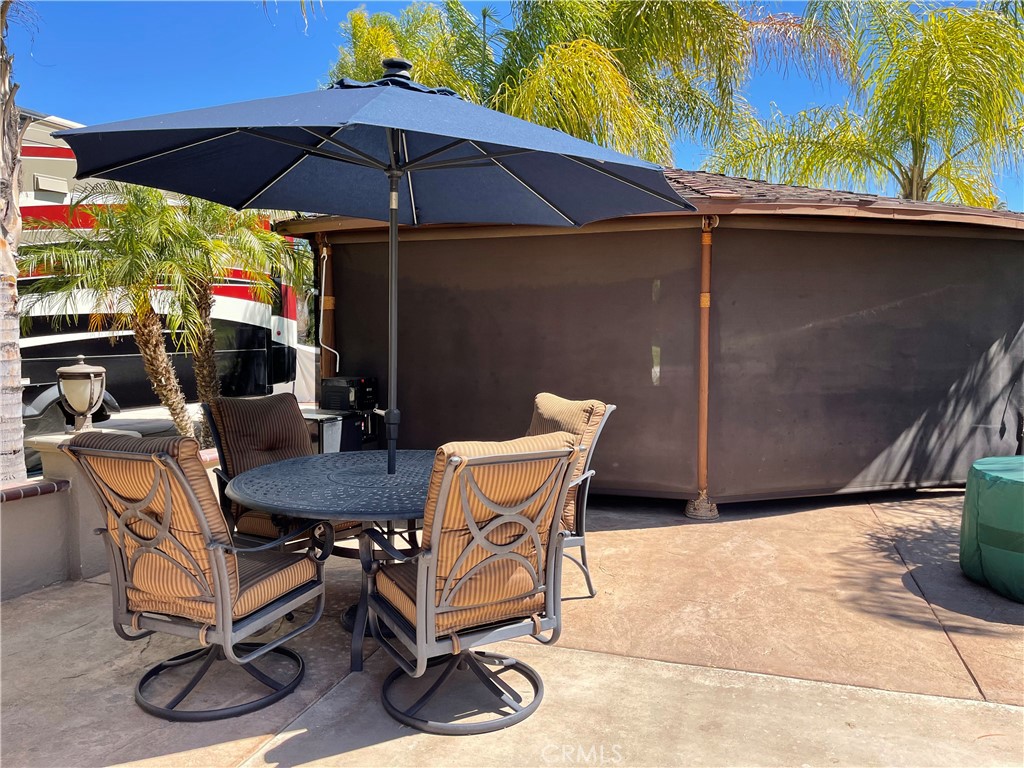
(259, 430)
(261, 525)
(397, 583)
(132, 480)
(258, 524)
(255, 431)
(502, 589)
(263, 577)
(582, 418)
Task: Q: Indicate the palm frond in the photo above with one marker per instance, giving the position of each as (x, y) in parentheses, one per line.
(580, 88)
(828, 146)
(539, 25)
(817, 48)
(965, 182)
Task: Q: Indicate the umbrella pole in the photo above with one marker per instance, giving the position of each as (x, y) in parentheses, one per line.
(392, 416)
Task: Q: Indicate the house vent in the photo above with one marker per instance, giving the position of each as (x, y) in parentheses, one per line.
(43, 183)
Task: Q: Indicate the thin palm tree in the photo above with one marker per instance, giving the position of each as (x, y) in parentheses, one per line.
(148, 263)
(939, 112)
(229, 242)
(12, 130)
(627, 74)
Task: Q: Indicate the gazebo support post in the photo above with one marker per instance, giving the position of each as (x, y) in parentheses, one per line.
(701, 508)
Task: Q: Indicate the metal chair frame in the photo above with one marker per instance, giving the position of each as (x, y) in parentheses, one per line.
(422, 641)
(221, 638)
(577, 536)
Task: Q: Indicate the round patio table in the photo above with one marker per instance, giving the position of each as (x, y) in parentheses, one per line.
(992, 528)
(351, 485)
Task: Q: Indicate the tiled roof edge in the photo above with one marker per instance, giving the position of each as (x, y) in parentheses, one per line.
(703, 186)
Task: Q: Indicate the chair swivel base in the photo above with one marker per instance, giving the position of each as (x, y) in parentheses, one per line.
(472, 668)
(208, 656)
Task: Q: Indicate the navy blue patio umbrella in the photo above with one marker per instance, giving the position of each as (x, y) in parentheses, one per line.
(389, 150)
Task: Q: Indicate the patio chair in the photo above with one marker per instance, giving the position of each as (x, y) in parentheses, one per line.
(174, 568)
(585, 419)
(489, 571)
(249, 432)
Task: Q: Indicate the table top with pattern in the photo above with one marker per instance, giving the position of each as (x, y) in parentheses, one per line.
(352, 485)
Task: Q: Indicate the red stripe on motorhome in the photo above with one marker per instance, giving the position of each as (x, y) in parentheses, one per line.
(289, 309)
(63, 153)
(234, 292)
(289, 303)
(58, 213)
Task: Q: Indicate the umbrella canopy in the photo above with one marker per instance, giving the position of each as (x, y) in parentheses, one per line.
(389, 150)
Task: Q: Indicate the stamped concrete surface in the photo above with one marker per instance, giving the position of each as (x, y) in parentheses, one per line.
(68, 683)
(985, 627)
(600, 709)
(863, 590)
(817, 632)
(802, 589)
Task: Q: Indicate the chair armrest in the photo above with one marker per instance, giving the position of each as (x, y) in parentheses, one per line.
(585, 476)
(369, 561)
(326, 545)
(387, 547)
(222, 476)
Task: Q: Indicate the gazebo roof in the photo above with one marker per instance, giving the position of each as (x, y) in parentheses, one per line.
(718, 194)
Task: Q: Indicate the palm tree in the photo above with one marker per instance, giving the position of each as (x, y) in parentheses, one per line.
(149, 264)
(12, 130)
(231, 240)
(939, 112)
(627, 74)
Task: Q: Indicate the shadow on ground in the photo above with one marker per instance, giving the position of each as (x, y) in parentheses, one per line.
(65, 672)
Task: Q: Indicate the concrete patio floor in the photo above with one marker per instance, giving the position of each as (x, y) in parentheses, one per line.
(816, 632)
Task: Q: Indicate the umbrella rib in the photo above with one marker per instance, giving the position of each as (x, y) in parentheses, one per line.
(309, 150)
(433, 153)
(541, 197)
(459, 162)
(408, 176)
(283, 173)
(679, 202)
(272, 182)
(172, 150)
(342, 145)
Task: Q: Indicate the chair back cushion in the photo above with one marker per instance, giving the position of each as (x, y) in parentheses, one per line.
(254, 431)
(482, 584)
(251, 432)
(164, 561)
(581, 418)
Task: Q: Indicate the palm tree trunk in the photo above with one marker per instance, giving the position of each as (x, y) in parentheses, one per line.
(12, 428)
(149, 336)
(204, 359)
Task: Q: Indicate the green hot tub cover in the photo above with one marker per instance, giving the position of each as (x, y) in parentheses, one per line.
(992, 528)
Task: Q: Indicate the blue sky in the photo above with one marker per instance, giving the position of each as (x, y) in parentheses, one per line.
(94, 62)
